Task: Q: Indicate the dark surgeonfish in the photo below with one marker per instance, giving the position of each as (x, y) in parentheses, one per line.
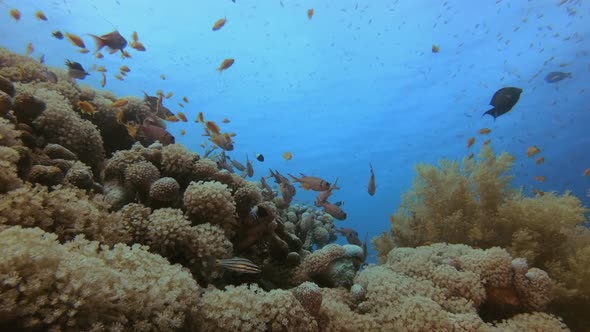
(556, 76)
(503, 101)
(75, 70)
(113, 40)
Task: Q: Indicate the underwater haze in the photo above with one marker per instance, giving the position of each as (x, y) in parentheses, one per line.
(358, 83)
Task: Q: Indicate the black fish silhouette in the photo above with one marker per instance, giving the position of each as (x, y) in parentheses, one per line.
(556, 76)
(503, 101)
(75, 70)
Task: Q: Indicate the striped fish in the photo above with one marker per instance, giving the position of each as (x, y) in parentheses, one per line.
(238, 264)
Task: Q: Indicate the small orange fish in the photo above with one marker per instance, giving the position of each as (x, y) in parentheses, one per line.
(163, 77)
(40, 15)
(123, 73)
(84, 50)
(310, 13)
(103, 80)
(172, 118)
(125, 54)
(226, 120)
(181, 116)
(182, 132)
(487, 141)
(435, 48)
(134, 36)
(120, 115)
(470, 142)
(484, 131)
(533, 150)
(120, 103)
(15, 13)
(586, 172)
(137, 46)
(131, 129)
(99, 55)
(124, 69)
(540, 160)
(75, 40)
(540, 178)
(200, 118)
(219, 24)
(185, 99)
(538, 192)
(213, 127)
(225, 64)
(119, 77)
(86, 108)
(287, 155)
(101, 69)
(30, 48)
(169, 95)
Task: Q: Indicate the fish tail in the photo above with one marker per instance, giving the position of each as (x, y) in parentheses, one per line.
(99, 42)
(294, 178)
(490, 112)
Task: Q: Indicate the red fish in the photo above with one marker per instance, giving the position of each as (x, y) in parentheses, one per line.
(334, 210)
(351, 235)
(323, 196)
(371, 188)
(156, 133)
(311, 182)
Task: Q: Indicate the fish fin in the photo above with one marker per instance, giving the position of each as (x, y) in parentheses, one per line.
(490, 112)
(100, 43)
(294, 178)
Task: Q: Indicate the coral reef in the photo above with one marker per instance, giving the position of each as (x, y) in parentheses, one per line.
(473, 203)
(102, 231)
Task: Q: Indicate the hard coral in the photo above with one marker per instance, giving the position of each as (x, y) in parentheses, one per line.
(165, 189)
(65, 211)
(84, 286)
(211, 202)
(249, 308)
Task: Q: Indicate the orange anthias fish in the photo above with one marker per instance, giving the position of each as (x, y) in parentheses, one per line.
(137, 46)
(487, 141)
(533, 150)
(223, 141)
(40, 15)
(540, 160)
(200, 118)
(586, 172)
(311, 182)
(213, 127)
(113, 40)
(470, 141)
(75, 40)
(287, 155)
(371, 187)
(30, 48)
(15, 14)
(219, 24)
(86, 108)
(540, 178)
(134, 36)
(435, 48)
(120, 103)
(484, 131)
(310, 13)
(181, 116)
(225, 64)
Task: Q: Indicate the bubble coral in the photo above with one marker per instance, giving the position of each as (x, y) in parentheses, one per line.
(59, 124)
(211, 202)
(46, 175)
(165, 189)
(9, 179)
(64, 211)
(249, 308)
(141, 175)
(82, 285)
(80, 175)
(177, 162)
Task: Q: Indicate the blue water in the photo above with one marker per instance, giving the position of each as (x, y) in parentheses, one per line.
(357, 83)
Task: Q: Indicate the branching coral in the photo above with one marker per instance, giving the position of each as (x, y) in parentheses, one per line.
(81, 285)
